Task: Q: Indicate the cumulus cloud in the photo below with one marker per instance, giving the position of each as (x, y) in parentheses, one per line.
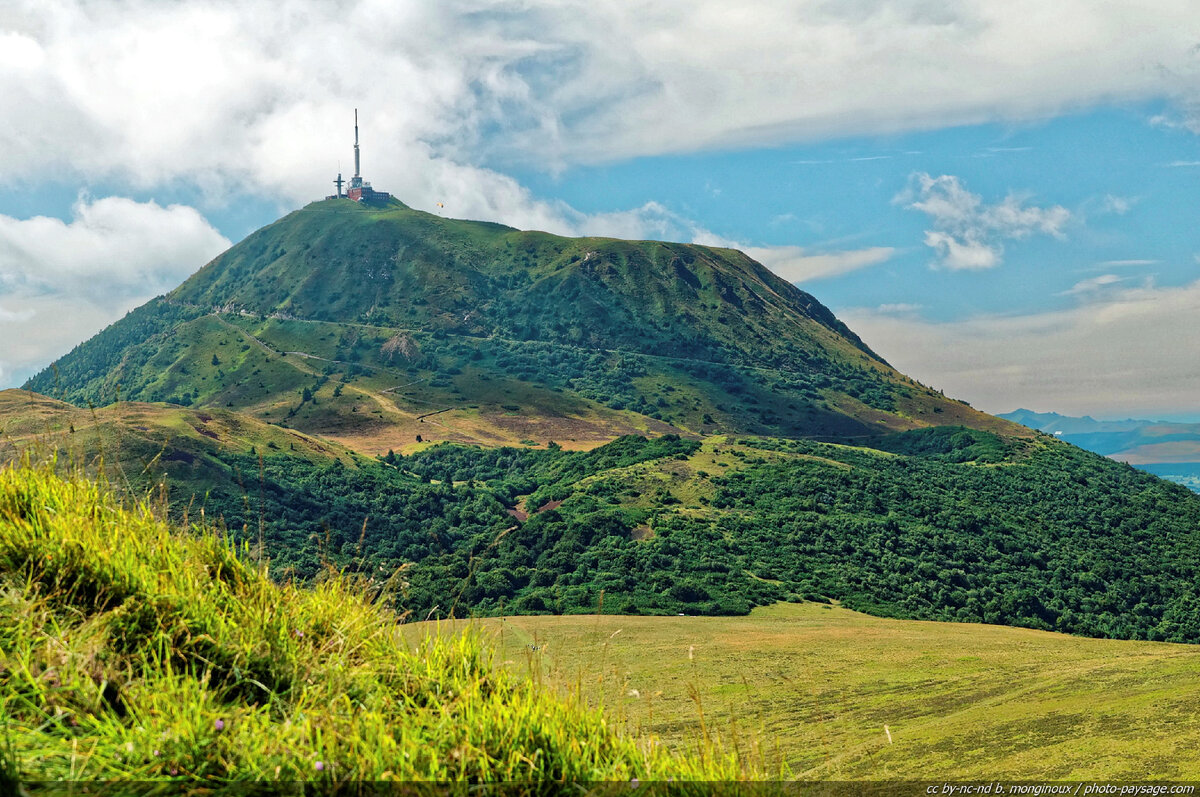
(795, 264)
(61, 282)
(256, 95)
(1118, 353)
(112, 248)
(969, 234)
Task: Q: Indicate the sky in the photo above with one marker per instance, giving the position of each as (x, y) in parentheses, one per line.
(999, 198)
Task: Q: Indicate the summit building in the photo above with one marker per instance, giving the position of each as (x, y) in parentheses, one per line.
(357, 188)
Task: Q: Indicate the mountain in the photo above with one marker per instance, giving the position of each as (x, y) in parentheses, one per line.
(372, 326)
(1053, 423)
(564, 425)
(1170, 450)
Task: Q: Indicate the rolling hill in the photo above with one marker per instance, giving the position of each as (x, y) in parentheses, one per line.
(943, 523)
(551, 425)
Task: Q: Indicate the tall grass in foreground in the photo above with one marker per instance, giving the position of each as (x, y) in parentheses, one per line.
(131, 650)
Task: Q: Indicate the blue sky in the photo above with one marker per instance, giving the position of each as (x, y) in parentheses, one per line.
(1001, 199)
(1124, 181)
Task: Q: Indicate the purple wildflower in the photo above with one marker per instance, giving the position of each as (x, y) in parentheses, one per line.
(320, 765)
(219, 725)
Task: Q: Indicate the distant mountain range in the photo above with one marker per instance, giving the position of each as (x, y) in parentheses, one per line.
(1170, 450)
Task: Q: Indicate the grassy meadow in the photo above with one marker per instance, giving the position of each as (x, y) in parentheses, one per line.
(832, 694)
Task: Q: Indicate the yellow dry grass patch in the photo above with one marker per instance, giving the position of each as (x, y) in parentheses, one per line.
(816, 686)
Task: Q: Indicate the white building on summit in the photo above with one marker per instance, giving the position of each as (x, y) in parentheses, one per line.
(358, 189)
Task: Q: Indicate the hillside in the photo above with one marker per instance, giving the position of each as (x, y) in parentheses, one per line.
(940, 524)
(841, 696)
(193, 454)
(133, 652)
(373, 326)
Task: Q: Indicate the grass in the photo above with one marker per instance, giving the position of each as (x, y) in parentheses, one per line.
(137, 445)
(811, 688)
(130, 650)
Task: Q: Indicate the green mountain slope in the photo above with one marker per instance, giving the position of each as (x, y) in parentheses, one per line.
(496, 330)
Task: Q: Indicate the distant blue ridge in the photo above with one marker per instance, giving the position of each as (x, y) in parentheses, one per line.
(1113, 438)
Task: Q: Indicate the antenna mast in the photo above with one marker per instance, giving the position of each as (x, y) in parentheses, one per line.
(356, 169)
(359, 189)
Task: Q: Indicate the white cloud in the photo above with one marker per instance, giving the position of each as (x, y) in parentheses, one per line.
(1091, 285)
(49, 326)
(1118, 205)
(15, 315)
(112, 248)
(968, 234)
(257, 95)
(900, 308)
(1119, 353)
(795, 264)
(1187, 119)
(650, 221)
(1126, 263)
(62, 282)
(967, 252)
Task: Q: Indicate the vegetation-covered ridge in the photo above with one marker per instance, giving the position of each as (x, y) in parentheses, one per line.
(950, 525)
(130, 650)
(945, 523)
(384, 316)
